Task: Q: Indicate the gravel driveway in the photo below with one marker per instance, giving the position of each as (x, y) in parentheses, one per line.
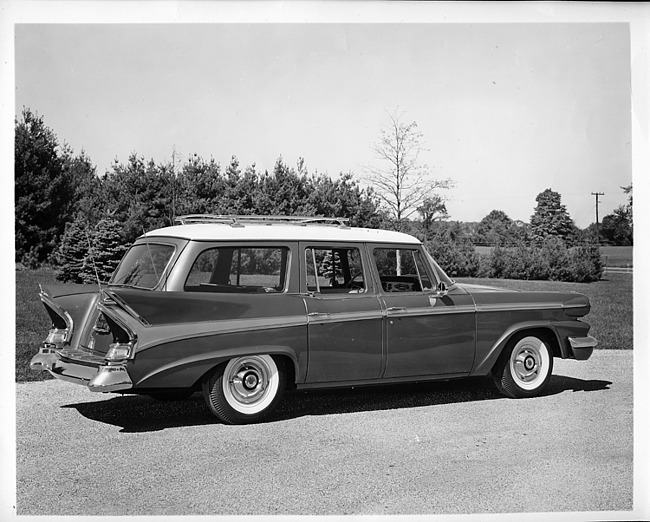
(442, 448)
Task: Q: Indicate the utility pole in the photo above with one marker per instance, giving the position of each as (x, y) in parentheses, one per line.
(597, 225)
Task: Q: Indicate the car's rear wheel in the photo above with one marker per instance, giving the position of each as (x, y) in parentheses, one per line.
(246, 389)
(524, 368)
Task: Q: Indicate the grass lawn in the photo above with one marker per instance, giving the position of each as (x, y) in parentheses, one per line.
(610, 317)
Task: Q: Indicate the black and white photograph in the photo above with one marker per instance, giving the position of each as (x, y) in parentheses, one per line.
(326, 259)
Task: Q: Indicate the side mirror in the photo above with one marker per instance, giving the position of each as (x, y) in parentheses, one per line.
(440, 292)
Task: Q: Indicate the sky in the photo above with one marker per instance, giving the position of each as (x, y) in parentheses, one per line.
(506, 110)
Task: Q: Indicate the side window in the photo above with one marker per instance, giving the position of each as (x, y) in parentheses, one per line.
(402, 270)
(239, 269)
(334, 270)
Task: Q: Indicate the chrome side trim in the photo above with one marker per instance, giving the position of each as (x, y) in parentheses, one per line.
(430, 310)
(517, 306)
(505, 307)
(341, 317)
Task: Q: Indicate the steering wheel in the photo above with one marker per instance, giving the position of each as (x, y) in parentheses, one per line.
(351, 283)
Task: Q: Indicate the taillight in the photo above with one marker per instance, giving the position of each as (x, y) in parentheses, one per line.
(56, 338)
(119, 351)
(124, 339)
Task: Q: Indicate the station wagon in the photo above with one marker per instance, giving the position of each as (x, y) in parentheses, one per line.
(243, 308)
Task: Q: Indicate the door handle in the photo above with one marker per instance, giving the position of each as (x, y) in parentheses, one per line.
(396, 309)
(318, 314)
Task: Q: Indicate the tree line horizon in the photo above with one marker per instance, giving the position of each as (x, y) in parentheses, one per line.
(62, 204)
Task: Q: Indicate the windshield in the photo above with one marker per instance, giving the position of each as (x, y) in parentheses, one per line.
(143, 265)
(441, 273)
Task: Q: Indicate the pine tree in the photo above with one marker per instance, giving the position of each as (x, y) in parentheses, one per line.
(73, 252)
(44, 192)
(87, 254)
(108, 248)
(331, 266)
(551, 218)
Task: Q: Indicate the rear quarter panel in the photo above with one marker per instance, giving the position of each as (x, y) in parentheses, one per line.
(187, 334)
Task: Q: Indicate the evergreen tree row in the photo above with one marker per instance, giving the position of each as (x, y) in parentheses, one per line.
(65, 212)
(72, 218)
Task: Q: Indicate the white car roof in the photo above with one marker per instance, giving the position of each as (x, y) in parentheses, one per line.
(280, 232)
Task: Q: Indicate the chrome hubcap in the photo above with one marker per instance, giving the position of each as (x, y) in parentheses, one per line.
(529, 361)
(249, 381)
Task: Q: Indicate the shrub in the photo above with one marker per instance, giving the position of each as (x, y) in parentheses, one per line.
(552, 260)
(456, 258)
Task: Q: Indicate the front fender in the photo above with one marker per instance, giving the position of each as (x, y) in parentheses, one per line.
(560, 330)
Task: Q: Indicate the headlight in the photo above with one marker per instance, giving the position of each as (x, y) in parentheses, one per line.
(119, 351)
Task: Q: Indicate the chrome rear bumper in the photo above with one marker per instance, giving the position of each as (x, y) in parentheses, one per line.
(89, 371)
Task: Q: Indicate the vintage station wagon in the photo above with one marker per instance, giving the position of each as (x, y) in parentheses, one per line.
(244, 307)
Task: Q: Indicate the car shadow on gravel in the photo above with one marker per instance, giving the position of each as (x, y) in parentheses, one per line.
(135, 414)
(414, 395)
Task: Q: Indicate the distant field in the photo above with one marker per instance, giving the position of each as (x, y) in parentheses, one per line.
(613, 256)
(617, 256)
(611, 311)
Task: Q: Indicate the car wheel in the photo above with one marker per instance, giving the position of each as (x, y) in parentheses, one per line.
(524, 368)
(246, 389)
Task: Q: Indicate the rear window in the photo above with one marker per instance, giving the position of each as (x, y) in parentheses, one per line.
(240, 270)
(143, 265)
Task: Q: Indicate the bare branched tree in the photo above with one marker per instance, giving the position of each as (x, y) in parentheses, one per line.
(401, 182)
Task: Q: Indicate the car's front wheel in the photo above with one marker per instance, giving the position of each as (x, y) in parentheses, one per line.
(524, 368)
(246, 389)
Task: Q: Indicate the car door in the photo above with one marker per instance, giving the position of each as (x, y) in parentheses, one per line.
(428, 332)
(343, 312)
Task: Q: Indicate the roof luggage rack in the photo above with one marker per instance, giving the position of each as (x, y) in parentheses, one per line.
(235, 220)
